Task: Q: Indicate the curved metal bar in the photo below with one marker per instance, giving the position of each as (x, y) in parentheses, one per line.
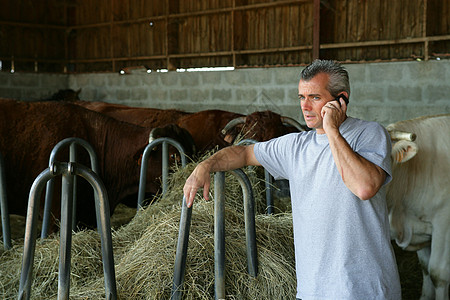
(181, 254)
(290, 121)
(219, 236)
(49, 189)
(104, 225)
(249, 216)
(232, 123)
(30, 232)
(6, 227)
(67, 170)
(267, 182)
(165, 167)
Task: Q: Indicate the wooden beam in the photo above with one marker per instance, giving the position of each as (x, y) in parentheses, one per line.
(316, 30)
(197, 13)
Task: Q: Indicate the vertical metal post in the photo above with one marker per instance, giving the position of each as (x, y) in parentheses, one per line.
(219, 235)
(73, 158)
(65, 234)
(269, 199)
(181, 254)
(6, 227)
(165, 166)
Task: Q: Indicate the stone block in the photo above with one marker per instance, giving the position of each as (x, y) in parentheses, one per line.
(199, 95)
(437, 93)
(365, 93)
(236, 77)
(246, 94)
(259, 76)
(25, 80)
(213, 78)
(221, 95)
(139, 93)
(356, 73)
(169, 78)
(123, 94)
(427, 70)
(158, 95)
(385, 72)
(287, 76)
(404, 94)
(55, 82)
(178, 95)
(190, 79)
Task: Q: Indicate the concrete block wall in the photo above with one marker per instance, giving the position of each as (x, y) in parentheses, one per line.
(383, 92)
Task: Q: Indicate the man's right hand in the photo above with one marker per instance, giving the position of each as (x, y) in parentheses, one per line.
(199, 178)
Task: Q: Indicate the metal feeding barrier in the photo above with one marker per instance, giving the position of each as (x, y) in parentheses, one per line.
(268, 180)
(68, 171)
(72, 143)
(165, 141)
(219, 235)
(6, 227)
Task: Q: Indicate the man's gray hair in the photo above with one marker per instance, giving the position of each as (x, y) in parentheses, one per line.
(338, 80)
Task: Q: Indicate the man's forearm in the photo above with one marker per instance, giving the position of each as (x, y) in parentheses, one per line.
(229, 158)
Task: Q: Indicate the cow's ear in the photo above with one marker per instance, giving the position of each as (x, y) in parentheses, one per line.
(402, 151)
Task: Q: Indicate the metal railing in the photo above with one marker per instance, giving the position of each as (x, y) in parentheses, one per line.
(268, 180)
(219, 235)
(72, 143)
(165, 141)
(6, 227)
(68, 171)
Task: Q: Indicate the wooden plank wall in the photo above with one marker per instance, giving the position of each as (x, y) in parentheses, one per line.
(108, 35)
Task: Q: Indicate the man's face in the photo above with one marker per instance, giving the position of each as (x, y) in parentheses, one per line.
(313, 96)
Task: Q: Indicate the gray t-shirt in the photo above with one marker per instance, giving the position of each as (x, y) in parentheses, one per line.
(342, 243)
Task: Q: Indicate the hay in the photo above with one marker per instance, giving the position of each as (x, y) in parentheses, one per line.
(144, 253)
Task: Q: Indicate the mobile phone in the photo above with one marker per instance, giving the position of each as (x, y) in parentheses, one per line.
(343, 97)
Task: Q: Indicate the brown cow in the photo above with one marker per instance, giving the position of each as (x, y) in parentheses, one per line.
(211, 128)
(205, 127)
(261, 126)
(30, 130)
(142, 116)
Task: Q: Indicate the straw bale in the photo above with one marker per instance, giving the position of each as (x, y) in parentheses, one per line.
(145, 248)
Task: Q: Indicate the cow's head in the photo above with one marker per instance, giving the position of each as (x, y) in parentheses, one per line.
(403, 149)
(260, 126)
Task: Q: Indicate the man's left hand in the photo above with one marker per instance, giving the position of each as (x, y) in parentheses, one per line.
(333, 115)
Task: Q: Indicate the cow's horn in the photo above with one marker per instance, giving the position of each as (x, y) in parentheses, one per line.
(232, 123)
(292, 122)
(402, 135)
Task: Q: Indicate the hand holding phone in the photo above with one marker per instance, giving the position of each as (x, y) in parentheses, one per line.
(343, 97)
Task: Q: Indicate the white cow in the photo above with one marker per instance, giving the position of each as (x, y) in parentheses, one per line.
(419, 197)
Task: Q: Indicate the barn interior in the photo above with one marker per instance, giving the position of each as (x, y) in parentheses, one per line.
(239, 56)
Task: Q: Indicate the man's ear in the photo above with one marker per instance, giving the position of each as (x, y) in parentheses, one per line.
(402, 151)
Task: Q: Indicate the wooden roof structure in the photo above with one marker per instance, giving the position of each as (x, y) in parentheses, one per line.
(108, 35)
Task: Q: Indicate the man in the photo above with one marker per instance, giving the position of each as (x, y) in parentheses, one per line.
(337, 175)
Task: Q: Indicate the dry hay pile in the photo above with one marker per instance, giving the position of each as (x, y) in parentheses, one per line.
(144, 254)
